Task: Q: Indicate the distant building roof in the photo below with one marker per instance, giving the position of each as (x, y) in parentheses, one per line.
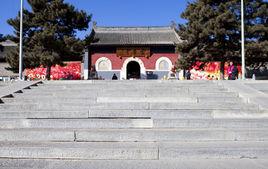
(5, 46)
(6, 73)
(134, 36)
(8, 43)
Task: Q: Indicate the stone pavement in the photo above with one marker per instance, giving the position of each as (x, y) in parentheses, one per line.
(135, 124)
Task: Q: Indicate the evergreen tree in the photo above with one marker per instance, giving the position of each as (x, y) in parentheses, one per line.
(1, 40)
(50, 33)
(1, 37)
(256, 30)
(213, 31)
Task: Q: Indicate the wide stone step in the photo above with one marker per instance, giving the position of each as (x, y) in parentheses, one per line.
(91, 100)
(208, 123)
(75, 123)
(135, 164)
(114, 93)
(30, 114)
(213, 99)
(206, 88)
(111, 87)
(127, 88)
(154, 114)
(214, 150)
(62, 100)
(174, 106)
(171, 135)
(130, 83)
(214, 94)
(132, 135)
(135, 151)
(205, 106)
(69, 100)
(137, 93)
(147, 99)
(160, 114)
(178, 114)
(129, 123)
(79, 151)
(27, 96)
(44, 106)
(36, 135)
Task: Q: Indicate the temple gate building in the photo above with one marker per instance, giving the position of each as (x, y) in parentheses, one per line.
(131, 52)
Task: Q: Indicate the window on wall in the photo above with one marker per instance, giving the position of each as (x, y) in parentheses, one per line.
(163, 65)
(104, 64)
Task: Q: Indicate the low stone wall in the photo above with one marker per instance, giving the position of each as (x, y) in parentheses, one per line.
(151, 75)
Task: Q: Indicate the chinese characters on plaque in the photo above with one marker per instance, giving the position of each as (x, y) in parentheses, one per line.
(133, 52)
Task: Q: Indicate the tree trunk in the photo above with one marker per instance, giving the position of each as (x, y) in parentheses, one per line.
(222, 70)
(184, 74)
(48, 72)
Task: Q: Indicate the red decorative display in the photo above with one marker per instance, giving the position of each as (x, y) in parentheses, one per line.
(210, 71)
(206, 71)
(72, 71)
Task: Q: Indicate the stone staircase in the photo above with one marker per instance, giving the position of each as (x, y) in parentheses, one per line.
(123, 124)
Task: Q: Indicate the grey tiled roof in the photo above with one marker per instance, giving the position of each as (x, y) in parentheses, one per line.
(135, 36)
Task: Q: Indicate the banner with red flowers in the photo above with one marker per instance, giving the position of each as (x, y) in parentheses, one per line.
(205, 71)
(72, 71)
(210, 71)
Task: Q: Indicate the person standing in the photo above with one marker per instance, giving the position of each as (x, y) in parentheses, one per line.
(188, 75)
(232, 71)
(235, 73)
(229, 70)
(114, 77)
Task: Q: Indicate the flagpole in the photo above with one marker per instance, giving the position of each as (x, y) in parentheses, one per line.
(21, 41)
(243, 41)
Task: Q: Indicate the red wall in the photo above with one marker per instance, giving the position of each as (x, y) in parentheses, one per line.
(117, 63)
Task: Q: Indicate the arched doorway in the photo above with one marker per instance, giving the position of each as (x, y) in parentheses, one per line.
(133, 70)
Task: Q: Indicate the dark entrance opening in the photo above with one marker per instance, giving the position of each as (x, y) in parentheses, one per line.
(133, 70)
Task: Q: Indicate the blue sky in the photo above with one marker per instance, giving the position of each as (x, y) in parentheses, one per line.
(112, 12)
